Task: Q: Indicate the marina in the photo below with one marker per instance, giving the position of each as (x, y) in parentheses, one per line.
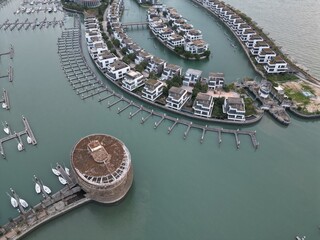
(17, 135)
(76, 69)
(5, 100)
(33, 24)
(219, 183)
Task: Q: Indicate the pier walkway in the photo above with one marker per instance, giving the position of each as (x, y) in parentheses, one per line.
(10, 52)
(68, 198)
(9, 74)
(17, 135)
(5, 100)
(87, 85)
(27, 24)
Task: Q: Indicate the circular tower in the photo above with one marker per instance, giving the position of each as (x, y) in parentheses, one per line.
(102, 166)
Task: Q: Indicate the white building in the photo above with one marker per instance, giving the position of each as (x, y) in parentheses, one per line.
(247, 34)
(156, 65)
(203, 105)
(97, 48)
(152, 89)
(252, 40)
(265, 55)
(215, 80)
(265, 89)
(196, 47)
(177, 98)
(276, 65)
(193, 35)
(105, 58)
(117, 70)
(170, 71)
(175, 40)
(191, 77)
(258, 47)
(132, 80)
(234, 108)
(142, 56)
(185, 28)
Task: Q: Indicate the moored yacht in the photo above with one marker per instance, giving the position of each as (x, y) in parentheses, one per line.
(55, 172)
(62, 180)
(23, 203)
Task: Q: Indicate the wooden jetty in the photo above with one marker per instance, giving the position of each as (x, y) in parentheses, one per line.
(9, 74)
(76, 70)
(17, 135)
(5, 100)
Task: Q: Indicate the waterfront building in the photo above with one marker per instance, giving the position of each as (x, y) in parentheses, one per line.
(247, 34)
(177, 98)
(276, 65)
(90, 20)
(265, 89)
(234, 108)
(152, 89)
(241, 28)
(175, 40)
(126, 42)
(170, 71)
(252, 40)
(196, 47)
(97, 48)
(132, 80)
(105, 58)
(89, 35)
(133, 48)
(232, 18)
(227, 15)
(203, 105)
(185, 28)
(92, 26)
(193, 35)
(156, 65)
(102, 167)
(218, 8)
(265, 55)
(142, 56)
(179, 22)
(215, 80)
(117, 70)
(88, 3)
(152, 2)
(191, 77)
(258, 47)
(165, 33)
(236, 23)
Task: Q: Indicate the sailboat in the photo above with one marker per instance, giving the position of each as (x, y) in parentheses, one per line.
(46, 189)
(67, 170)
(4, 105)
(23, 203)
(20, 146)
(13, 201)
(29, 140)
(6, 128)
(37, 188)
(62, 180)
(55, 172)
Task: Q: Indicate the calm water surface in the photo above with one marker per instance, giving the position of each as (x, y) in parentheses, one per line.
(182, 189)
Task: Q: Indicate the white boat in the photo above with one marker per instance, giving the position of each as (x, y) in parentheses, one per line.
(29, 140)
(23, 203)
(55, 9)
(28, 10)
(37, 188)
(62, 181)
(6, 130)
(55, 172)
(4, 105)
(31, 3)
(20, 146)
(67, 170)
(46, 189)
(49, 10)
(13, 201)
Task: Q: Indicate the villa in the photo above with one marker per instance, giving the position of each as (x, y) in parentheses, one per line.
(258, 47)
(133, 48)
(105, 58)
(276, 65)
(203, 105)
(196, 47)
(142, 56)
(177, 98)
(116, 70)
(215, 80)
(152, 89)
(265, 55)
(265, 89)
(247, 34)
(132, 80)
(242, 28)
(156, 65)
(185, 28)
(252, 40)
(97, 48)
(191, 77)
(193, 35)
(175, 40)
(234, 108)
(170, 71)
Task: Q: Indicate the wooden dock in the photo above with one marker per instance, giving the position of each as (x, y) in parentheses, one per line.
(5, 100)
(10, 52)
(7, 25)
(17, 135)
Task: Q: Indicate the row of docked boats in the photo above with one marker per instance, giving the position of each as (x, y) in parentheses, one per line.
(39, 187)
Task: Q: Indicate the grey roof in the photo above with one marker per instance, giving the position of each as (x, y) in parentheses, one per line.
(236, 103)
(195, 72)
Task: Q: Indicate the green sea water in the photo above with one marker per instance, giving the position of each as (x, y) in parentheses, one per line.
(182, 189)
